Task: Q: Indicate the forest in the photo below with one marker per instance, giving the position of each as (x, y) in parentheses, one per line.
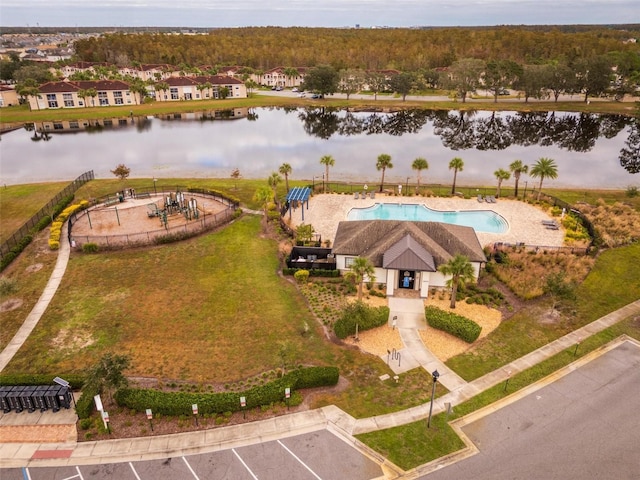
(262, 48)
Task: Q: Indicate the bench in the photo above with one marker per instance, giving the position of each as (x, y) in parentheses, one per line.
(143, 195)
(111, 201)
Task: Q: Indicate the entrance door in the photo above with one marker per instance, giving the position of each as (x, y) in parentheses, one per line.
(406, 279)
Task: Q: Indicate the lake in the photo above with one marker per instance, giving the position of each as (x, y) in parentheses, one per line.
(592, 151)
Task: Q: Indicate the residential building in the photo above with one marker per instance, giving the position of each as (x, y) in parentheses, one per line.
(200, 88)
(66, 94)
(8, 96)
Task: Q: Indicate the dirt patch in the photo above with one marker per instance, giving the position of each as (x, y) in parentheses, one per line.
(34, 268)
(11, 304)
(76, 341)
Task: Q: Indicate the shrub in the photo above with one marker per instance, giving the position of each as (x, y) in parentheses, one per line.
(452, 323)
(362, 315)
(75, 381)
(179, 403)
(90, 247)
(301, 276)
(54, 244)
(85, 404)
(7, 285)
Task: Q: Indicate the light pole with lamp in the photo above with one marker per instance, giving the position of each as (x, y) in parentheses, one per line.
(155, 191)
(435, 376)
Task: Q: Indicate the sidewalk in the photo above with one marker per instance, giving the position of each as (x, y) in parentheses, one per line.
(41, 305)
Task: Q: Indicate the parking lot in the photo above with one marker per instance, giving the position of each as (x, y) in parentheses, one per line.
(317, 455)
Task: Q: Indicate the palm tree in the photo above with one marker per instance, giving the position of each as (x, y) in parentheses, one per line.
(273, 181)
(263, 197)
(456, 165)
(362, 267)
(285, 169)
(419, 164)
(461, 271)
(327, 161)
(518, 168)
(384, 162)
(501, 175)
(544, 168)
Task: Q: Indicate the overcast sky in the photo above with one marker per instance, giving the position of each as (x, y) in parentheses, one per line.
(314, 13)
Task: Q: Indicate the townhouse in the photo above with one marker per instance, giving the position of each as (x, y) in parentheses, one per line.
(73, 94)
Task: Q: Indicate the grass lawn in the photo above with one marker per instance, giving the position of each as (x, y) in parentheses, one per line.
(207, 309)
(18, 203)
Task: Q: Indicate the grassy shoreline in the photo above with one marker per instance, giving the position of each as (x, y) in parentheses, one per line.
(21, 114)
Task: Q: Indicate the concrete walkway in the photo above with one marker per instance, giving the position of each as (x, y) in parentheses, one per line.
(41, 305)
(409, 317)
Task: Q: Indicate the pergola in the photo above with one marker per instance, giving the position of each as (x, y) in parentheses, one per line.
(298, 194)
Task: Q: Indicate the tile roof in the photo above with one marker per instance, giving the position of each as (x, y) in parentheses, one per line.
(74, 86)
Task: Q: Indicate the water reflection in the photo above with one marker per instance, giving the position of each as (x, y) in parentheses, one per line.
(589, 148)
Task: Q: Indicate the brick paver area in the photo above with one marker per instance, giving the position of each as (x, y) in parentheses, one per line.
(38, 433)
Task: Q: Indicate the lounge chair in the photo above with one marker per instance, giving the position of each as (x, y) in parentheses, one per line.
(373, 195)
(552, 227)
(490, 199)
(356, 195)
(550, 222)
(480, 199)
(363, 195)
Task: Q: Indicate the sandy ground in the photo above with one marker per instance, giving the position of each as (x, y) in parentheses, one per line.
(444, 346)
(326, 210)
(131, 216)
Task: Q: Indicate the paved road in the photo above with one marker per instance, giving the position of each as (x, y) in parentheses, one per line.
(585, 425)
(313, 456)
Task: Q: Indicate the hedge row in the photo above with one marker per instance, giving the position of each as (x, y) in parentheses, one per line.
(85, 404)
(314, 272)
(75, 381)
(362, 315)
(56, 226)
(456, 325)
(179, 403)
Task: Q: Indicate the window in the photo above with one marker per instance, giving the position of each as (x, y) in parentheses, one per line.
(68, 99)
(117, 96)
(52, 100)
(174, 93)
(348, 262)
(58, 126)
(74, 125)
(103, 99)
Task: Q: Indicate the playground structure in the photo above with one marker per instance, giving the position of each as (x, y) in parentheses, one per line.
(129, 220)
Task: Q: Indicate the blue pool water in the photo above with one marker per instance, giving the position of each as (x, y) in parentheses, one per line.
(480, 220)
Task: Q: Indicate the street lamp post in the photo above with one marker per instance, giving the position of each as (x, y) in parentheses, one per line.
(435, 376)
(155, 191)
(524, 195)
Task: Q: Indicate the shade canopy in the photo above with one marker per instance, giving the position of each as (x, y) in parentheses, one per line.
(300, 194)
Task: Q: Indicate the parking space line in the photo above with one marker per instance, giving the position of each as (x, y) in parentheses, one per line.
(134, 471)
(190, 469)
(245, 465)
(26, 474)
(79, 475)
(301, 462)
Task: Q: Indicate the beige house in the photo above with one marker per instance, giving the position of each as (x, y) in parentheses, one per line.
(149, 72)
(277, 77)
(200, 88)
(68, 70)
(8, 96)
(406, 255)
(67, 94)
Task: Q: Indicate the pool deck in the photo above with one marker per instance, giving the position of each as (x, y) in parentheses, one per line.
(325, 211)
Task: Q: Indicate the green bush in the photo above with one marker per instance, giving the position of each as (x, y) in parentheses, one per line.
(179, 403)
(75, 381)
(85, 404)
(90, 247)
(7, 285)
(364, 316)
(301, 276)
(452, 323)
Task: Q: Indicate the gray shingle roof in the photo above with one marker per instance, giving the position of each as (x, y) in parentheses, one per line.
(408, 254)
(373, 238)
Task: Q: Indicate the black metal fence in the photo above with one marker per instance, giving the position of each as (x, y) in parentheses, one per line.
(45, 211)
(204, 223)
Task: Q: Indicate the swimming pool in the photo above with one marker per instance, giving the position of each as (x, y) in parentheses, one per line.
(480, 220)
